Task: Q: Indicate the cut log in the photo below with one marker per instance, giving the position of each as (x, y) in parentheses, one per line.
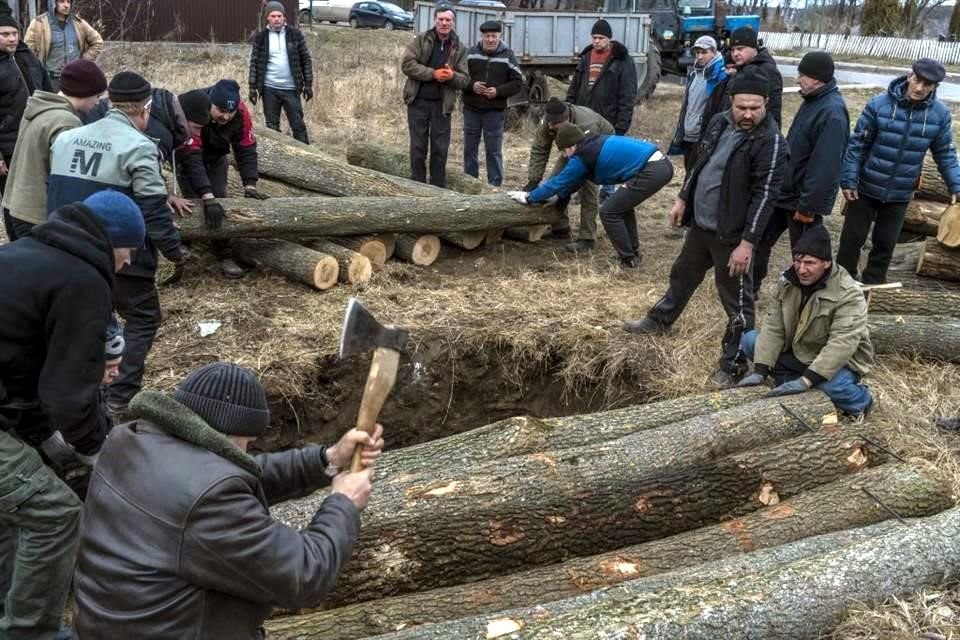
(921, 303)
(930, 337)
(468, 240)
(296, 218)
(923, 217)
(836, 506)
(389, 242)
(370, 246)
(932, 186)
(529, 233)
(266, 186)
(419, 250)
(542, 509)
(387, 160)
(355, 268)
(494, 236)
(289, 259)
(903, 269)
(938, 261)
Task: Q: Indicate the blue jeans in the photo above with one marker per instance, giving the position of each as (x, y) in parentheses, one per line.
(490, 124)
(844, 388)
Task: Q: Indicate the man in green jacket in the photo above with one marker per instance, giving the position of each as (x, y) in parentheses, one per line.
(556, 113)
(435, 63)
(46, 116)
(815, 334)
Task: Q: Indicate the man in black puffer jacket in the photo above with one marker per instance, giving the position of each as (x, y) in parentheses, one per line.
(748, 54)
(606, 79)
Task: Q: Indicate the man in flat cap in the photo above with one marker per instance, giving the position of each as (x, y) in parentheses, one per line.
(494, 77)
(882, 165)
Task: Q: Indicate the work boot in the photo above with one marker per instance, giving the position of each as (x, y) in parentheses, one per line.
(630, 264)
(580, 246)
(647, 326)
(723, 379)
(231, 270)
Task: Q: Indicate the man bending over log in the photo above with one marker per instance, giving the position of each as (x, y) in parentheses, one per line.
(815, 334)
(178, 541)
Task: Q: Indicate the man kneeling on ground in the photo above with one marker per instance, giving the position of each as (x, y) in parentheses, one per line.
(815, 334)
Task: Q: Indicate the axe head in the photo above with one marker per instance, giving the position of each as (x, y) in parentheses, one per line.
(361, 332)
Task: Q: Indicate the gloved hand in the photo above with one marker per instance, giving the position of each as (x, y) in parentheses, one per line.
(518, 196)
(254, 96)
(805, 218)
(177, 275)
(753, 380)
(790, 388)
(530, 186)
(213, 214)
(251, 192)
(89, 460)
(443, 74)
(58, 450)
(308, 93)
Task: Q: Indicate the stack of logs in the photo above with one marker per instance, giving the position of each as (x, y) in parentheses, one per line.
(721, 515)
(923, 218)
(374, 214)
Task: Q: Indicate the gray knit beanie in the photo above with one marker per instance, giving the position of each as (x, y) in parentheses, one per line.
(228, 397)
(270, 7)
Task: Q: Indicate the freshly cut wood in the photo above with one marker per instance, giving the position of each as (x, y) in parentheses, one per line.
(494, 236)
(296, 218)
(923, 216)
(468, 240)
(932, 186)
(842, 504)
(903, 269)
(284, 159)
(380, 158)
(372, 247)
(389, 241)
(289, 259)
(938, 261)
(912, 302)
(930, 337)
(529, 233)
(544, 508)
(355, 268)
(419, 250)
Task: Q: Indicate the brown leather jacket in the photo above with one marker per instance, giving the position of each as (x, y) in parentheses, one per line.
(178, 541)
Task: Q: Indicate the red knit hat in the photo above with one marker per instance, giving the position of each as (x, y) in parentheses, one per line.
(82, 79)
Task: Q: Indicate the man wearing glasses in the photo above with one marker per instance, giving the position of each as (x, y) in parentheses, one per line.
(113, 153)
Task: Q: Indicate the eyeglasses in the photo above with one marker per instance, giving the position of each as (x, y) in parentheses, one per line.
(148, 104)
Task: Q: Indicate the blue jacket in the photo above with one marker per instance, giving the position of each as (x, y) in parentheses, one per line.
(885, 154)
(602, 159)
(715, 74)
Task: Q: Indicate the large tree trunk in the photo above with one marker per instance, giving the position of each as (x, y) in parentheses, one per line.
(312, 217)
(384, 159)
(545, 508)
(289, 259)
(903, 269)
(931, 337)
(839, 505)
(355, 268)
(932, 186)
(938, 261)
(468, 240)
(266, 186)
(921, 303)
(923, 217)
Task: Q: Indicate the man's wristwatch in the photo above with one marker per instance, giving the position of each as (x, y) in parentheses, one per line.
(331, 470)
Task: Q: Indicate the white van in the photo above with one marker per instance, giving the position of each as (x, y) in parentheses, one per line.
(326, 10)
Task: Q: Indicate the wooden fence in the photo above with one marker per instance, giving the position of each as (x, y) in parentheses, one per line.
(866, 47)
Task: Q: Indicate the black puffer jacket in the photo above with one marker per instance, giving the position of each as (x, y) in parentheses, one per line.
(498, 69)
(21, 73)
(765, 63)
(301, 65)
(614, 94)
(56, 291)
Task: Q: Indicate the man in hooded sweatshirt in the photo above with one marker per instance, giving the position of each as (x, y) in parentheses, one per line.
(59, 37)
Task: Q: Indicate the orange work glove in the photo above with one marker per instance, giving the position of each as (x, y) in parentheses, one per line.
(805, 218)
(443, 74)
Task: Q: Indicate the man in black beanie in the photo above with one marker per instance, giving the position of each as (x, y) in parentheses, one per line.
(605, 79)
(817, 138)
(747, 53)
(725, 202)
(815, 335)
(178, 540)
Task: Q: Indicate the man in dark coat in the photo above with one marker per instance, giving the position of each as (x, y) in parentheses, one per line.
(725, 202)
(178, 540)
(817, 139)
(56, 288)
(748, 54)
(281, 71)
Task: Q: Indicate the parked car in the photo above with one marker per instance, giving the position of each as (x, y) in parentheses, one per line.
(377, 14)
(483, 4)
(326, 10)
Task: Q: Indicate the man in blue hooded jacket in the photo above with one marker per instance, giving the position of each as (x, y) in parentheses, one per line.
(698, 108)
(881, 169)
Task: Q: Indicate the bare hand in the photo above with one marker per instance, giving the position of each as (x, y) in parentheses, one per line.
(181, 206)
(3, 167)
(341, 454)
(491, 93)
(356, 486)
(850, 194)
(740, 259)
(676, 212)
(480, 88)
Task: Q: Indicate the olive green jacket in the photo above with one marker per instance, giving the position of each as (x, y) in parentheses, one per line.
(830, 331)
(416, 66)
(587, 119)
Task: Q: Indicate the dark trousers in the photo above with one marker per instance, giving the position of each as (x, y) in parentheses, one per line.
(887, 220)
(429, 128)
(489, 123)
(217, 174)
(289, 101)
(781, 220)
(690, 153)
(617, 212)
(138, 303)
(14, 227)
(702, 250)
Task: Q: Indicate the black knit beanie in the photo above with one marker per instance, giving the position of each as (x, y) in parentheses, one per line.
(817, 65)
(750, 81)
(6, 17)
(196, 106)
(555, 111)
(568, 135)
(601, 28)
(128, 86)
(226, 95)
(228, 397)
(743, 37)
(815, 242)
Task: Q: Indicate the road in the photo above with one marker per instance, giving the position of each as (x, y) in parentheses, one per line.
(946, 91)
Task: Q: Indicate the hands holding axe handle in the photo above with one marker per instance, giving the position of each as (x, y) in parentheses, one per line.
(355, 483)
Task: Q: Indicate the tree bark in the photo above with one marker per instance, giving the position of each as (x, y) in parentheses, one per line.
(932, 186)
(419, 250)
(291, 260)
(384, 159)
(468, 240)
(355, 268)
(938, 261)
(266, 186)
(389, 241)
(542, 509)
(494, 236)
(530, 233)
(921, 303)
(373, 247)
(839, 505)
(923, 216)
(313, 217)
(930, 337)
(903, 269)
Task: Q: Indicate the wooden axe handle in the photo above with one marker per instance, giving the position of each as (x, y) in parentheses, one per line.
(380, 379)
